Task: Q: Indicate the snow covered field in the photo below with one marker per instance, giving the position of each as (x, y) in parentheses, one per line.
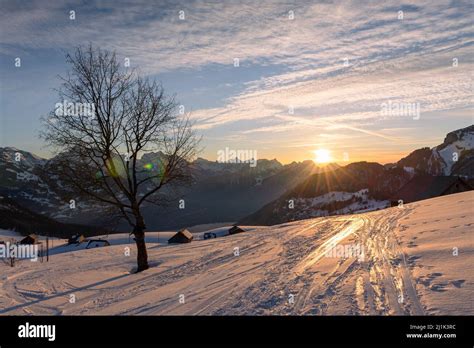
(414, 260)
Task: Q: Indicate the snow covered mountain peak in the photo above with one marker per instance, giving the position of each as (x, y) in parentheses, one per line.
(455, 156)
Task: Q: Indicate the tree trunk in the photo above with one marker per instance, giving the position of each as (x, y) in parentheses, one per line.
(142, 256)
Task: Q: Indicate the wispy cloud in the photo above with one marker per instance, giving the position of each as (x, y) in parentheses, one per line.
(338, 61)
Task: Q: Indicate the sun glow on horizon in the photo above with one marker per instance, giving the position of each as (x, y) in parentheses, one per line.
(322, 156)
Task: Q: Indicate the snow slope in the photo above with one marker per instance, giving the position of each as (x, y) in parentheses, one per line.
(464, 141)
(408, 266)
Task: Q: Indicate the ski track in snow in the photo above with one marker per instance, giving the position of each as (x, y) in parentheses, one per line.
(274, 265)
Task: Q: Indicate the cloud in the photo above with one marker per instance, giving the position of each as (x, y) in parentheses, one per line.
(408, 60)
(218, 31)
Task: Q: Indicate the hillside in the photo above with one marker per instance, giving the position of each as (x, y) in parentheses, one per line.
(356, 187)
(16, 217)
(455, 156)
(412, 261)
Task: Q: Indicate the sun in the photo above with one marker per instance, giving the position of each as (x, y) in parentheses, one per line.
(322, 156)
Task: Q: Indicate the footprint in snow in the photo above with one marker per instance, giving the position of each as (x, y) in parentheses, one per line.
(458, 283)
(438, 287)
(413, 258)
(436, 274)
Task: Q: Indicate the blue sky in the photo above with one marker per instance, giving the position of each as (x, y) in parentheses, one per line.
(332, 63)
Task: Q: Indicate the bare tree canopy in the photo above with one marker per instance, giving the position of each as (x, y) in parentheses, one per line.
(108, 118)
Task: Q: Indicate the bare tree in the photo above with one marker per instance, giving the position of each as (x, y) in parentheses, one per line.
(109, 118)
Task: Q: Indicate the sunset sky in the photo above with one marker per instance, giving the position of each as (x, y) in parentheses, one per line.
(311, 75)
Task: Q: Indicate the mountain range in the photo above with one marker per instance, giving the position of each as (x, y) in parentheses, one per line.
(364, 186)
(227, 192)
